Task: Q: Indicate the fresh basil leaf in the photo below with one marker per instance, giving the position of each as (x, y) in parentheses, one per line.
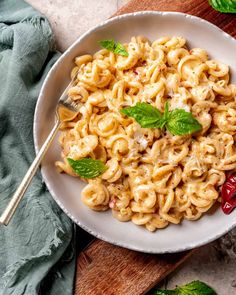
(166, 292)
(195, 288)
(120, 49)
(227, 6)
(181, 122)
(166, 115)
(108, 44)
(166, 110)
(145, 114)
(87, 167)
(113, 46)
(178, 121)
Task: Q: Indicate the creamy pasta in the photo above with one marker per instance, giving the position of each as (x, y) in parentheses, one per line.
(153, 178)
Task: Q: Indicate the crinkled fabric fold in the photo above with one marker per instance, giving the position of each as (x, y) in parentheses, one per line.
(36, 248)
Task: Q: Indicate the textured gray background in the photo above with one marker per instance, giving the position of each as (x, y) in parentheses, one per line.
(214, 263)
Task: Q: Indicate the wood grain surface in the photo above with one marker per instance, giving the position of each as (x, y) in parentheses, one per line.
(201, 8)
(104, 269)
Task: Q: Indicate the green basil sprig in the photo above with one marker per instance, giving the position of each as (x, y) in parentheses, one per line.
(87, 167)
(145, 114)
(227, 6)
(178, 121)
(193, 288)
(113, 46)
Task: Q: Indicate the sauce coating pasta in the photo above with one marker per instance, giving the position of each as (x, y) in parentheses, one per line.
(153, 178)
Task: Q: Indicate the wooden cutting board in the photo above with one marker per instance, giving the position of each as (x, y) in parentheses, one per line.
(104, 269)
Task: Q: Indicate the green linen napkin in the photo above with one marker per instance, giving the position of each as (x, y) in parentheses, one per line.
(36, 253)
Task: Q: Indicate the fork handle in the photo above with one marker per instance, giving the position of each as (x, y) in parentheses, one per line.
(19, 193)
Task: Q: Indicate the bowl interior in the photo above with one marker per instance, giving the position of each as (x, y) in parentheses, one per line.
(66, 190)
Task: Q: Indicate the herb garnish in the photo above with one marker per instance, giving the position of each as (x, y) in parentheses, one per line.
(87, 167)
(145, 114)
(227, 6)
(178, 121)
(193, 288)
(113, 46)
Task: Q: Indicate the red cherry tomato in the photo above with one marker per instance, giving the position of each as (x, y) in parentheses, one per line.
(228, 194)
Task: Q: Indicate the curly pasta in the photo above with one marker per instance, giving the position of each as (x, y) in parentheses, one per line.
(153, 178)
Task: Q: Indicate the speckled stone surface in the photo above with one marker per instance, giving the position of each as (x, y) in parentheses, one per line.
(214, 263)
(71, 18)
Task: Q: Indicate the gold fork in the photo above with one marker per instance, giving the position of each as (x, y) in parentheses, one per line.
(66, 110)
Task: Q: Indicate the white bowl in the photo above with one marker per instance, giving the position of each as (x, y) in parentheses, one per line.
(66, 190)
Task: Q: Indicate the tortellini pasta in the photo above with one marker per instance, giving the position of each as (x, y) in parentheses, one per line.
(153, 178)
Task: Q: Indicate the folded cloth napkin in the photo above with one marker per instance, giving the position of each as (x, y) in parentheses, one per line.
(36, 248)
